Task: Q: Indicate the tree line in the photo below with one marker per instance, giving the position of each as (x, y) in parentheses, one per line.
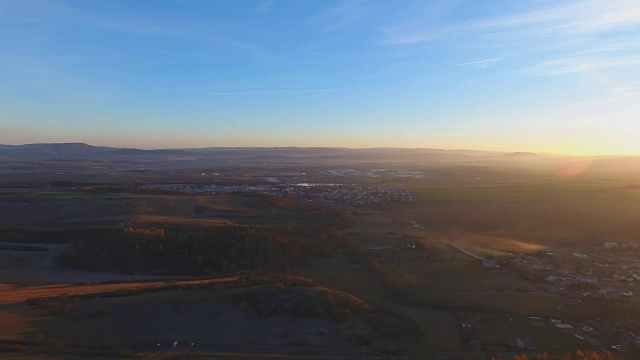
(397, 283)
(200, 251)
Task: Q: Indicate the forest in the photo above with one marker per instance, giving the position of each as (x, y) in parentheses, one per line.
(200, 251)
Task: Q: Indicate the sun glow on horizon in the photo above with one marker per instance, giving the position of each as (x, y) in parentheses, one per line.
(545, 77)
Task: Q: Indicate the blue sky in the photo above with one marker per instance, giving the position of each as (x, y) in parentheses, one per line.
(545, 76)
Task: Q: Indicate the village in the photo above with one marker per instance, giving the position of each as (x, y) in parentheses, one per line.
(352, 194)
(610, 271)
(595, 289)
(601, 285)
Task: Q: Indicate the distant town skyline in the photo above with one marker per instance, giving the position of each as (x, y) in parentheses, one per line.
(541, 76)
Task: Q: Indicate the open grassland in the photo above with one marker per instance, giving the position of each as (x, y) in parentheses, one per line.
(340, 273)
(66, 207)
(117, 206)
(438, 328)
(492, 245)
(524, 190)
(55, 209)
(498, 331)
(372, 223)
(465, 284)
(462, 276)
(527, 303)
(211, 210)
(270, 315)
(449, 281)
(159, 220)
(549, 213)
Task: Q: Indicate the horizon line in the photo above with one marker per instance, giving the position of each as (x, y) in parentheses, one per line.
(332, 147)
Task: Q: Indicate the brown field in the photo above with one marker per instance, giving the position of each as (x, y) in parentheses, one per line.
(372, 223)
(492, 245)
(528, 303)
(12, 294)
(142, 220)
(64, 208)
(465, 284)
(461, 276)
(189, 210)
(14, 325)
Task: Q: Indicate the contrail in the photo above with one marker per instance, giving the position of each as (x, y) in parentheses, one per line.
(286, 91)
(467, 63)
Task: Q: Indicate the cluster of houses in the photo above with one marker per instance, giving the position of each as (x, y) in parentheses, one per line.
(357, 194)
(596, 333)
(352, 194)
(608, 271)
(374, 173)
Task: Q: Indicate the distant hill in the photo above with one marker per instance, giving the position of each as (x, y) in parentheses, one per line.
(85, 151)
(247, 156)
(614, 165)
(52, 151)
(75, 151)
(521, 154)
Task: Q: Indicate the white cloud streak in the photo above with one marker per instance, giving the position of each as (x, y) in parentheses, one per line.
(586, 64)
(207, 31)
(469, 63)
(339, 16)
(576, 19)
(595, 39)
(287, 91)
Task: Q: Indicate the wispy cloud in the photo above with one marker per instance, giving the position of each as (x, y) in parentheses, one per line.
(575, 19)
(596, 39)
(287, 91)
(586, 64)
(206, 32)
(578, 17)
(593, 102)
(608, 73)
(209, 31)
(626, 91)
(340, 15)
(485, 61)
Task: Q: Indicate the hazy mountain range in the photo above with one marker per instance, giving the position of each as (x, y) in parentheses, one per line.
(78, 151)
(199, 157)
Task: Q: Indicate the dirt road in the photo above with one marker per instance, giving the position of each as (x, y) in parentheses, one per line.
(12, 294)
